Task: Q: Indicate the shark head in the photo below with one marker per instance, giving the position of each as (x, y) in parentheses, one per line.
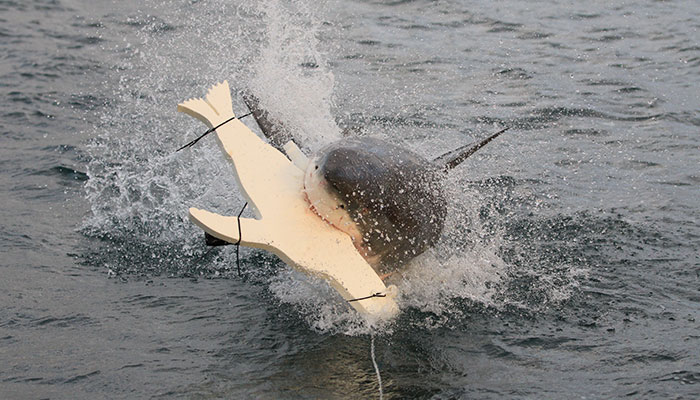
(388, 199)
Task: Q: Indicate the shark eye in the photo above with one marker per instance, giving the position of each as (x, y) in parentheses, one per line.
(342, 206)
(316, 167)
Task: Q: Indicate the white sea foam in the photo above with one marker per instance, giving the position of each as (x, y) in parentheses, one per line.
(140, 189)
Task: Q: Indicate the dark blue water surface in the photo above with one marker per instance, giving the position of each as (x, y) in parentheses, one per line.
(569, 267)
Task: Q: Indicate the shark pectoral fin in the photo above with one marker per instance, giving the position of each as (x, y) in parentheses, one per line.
(275, 131)
(295, 154)
(455, 157)
(253, 232)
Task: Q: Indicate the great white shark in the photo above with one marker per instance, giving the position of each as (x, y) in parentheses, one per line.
(391, 201)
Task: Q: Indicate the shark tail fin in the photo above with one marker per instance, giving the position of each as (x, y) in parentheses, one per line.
(455, 157)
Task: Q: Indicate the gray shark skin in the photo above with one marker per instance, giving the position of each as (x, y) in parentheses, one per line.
(395, 197)
(390, 200)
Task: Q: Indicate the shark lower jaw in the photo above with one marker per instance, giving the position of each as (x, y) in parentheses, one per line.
(326, 209)
(326, 206)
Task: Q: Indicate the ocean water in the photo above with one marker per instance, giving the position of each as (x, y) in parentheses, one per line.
(569, 267)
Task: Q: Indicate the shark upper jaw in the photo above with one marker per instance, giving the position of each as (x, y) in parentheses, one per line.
(324, 203)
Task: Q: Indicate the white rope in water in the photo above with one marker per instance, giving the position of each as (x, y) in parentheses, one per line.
(376, 369)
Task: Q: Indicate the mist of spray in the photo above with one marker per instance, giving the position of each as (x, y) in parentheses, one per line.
(139, 188)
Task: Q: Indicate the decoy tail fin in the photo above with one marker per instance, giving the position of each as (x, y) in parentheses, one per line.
(212, 110)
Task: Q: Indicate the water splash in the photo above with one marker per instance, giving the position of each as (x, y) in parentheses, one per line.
(292, 77)
(139, 189)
